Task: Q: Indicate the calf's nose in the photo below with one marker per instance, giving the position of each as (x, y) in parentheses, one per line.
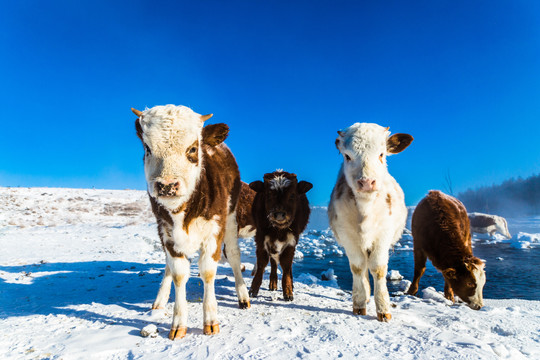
(167, 189)
(367, 184)
(279, 216)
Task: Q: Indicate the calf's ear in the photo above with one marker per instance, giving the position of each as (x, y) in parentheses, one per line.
(214, 134)
(258, 186)
(449, 274)
(303, 187)
(398, 142)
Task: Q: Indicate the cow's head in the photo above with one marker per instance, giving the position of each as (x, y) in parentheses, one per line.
(364, 148)
(467, 280)
(172, 137)
(280, 191)
(502, 226)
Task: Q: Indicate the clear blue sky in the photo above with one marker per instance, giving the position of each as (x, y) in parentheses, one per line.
(463, 77)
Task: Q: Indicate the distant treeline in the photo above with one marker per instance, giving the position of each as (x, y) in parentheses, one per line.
(514, 197)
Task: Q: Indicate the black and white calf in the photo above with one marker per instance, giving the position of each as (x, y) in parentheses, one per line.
(281, 213)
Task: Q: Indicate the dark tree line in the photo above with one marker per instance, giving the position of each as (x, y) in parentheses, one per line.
(512, 198)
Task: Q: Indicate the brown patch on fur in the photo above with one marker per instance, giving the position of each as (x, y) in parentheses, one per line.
(219, 174)
(398, 142)
(177, 279)
(380, 272)
(389, 202)
(192, 152)
(342, 188)
(215, 134)
(482, 221)
(208, 276)
(220, 236)
(356, 270)
(244, 217)
(138, 127)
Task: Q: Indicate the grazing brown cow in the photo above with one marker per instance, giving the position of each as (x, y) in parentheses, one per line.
(441, 232)
(194, 187)
(281, 213)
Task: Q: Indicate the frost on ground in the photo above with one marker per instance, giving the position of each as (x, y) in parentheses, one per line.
(80, 286)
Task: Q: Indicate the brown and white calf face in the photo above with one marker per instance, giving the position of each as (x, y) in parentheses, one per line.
(171, 136)
(364, 148)
(280, 190)
(468, 281)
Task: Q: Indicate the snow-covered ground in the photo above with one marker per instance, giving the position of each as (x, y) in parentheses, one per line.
(79, 270)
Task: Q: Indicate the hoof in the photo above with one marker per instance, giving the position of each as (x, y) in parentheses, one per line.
(244, 304)
(156, 307)
(211, 329)
(359, 311)
(384, 317)
(243, 268)
(288, 297)
(178, 333)
(253, 293)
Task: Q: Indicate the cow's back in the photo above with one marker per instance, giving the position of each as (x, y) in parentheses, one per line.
(440, 228)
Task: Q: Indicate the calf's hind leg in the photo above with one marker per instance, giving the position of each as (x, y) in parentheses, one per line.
(164, 290)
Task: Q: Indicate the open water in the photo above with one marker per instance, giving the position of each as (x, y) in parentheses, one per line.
(511, 273)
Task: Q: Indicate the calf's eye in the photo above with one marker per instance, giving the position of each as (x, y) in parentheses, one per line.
(347, 157)
(147, 149)
(192, 150)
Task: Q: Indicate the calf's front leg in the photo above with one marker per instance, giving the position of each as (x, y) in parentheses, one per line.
(286, 259)
(378, 267)
(208, 268)
(179, 267)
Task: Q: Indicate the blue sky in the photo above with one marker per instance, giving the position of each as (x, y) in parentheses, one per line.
(462, 77)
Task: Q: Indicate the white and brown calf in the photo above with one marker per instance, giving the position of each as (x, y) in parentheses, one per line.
(488, 224)
(367, 210)
(194, 185)
(281, 213)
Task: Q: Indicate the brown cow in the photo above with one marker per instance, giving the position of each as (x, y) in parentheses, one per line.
(441, 232)
(281, 213)
(194, 186)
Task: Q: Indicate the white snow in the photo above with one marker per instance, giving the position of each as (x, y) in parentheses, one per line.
(394, 275)
(79, 270)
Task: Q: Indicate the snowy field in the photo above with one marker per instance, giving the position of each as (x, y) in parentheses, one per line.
(79, 270)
